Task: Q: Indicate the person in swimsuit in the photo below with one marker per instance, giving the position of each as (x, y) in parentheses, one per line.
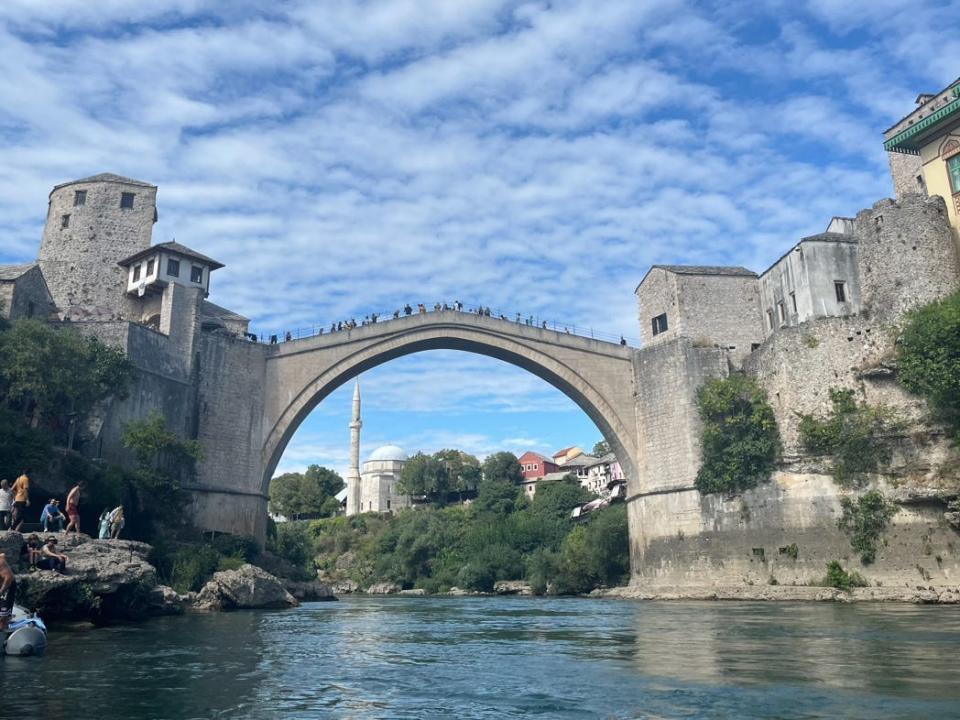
(73, 508)
(21, 499)
(8, 592)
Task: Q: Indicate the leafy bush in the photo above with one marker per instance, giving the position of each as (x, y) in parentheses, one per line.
(841, 579)
(293, 544)
(929, 359)
(192, 566)
(865, 520)
(740, 441)
(242, 546)
(853, 435)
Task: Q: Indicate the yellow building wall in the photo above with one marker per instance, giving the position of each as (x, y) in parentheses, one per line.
(936, 179)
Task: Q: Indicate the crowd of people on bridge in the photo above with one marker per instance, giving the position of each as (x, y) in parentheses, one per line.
(421, 309)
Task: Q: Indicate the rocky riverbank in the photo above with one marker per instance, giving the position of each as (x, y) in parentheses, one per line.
(918, 594)
(109, 580)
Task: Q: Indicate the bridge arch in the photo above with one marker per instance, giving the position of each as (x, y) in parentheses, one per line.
(597, 376)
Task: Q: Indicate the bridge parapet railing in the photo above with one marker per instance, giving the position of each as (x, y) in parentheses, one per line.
(375, 318)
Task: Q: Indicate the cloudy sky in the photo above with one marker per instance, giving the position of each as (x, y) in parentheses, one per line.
(347, 156)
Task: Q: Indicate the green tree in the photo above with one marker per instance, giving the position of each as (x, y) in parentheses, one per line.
(601, 448)
(164, 460)
(929, 359)
(306, 495)
(503, 466)
(463, 470)
(55, 374)
(558, 498)
(425, 476)
(740, 441)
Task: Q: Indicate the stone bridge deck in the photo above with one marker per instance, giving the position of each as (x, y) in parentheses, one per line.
(595, 374)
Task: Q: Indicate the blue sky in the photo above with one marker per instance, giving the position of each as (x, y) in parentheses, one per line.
(348, 156)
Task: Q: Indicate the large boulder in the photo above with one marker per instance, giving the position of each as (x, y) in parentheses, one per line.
(10, 543)
(246, 587)
(309, 591)
(104, 580)
(512, 587)
(383, 588)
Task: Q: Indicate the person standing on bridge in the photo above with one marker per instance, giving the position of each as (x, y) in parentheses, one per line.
(407, 310)
(623, 340)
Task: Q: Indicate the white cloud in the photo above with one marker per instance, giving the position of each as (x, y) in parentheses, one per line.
(349, 156)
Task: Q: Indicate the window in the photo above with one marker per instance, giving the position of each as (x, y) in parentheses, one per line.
(781, 311)
(79, 198)
(150, 264)
(388, 504)
(64, 221)
(840, 288)
(196, 274)
(953, 170)
(793, 301)
(126, 201)
(770, 319)
(31, 308)
(659, 324)
(136, 273)
(173, 267)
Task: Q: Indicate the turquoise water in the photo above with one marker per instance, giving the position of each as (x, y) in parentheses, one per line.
(503, 657)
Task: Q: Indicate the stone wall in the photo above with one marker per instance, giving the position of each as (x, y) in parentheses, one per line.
(718, 540)
(710, 309)
(721, 310)
(79, 261)
(907, 255)
(229, 495)
(25, 296)
(905, 171)
(667, 377)
(657, 294)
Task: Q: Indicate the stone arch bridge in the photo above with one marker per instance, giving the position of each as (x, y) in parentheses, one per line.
(253, 397)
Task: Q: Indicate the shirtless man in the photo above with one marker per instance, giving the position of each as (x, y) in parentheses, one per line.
(8, 592)
(73, 508)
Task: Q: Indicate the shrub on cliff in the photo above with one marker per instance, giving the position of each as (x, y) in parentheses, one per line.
(841, 579)
(852, 434)
(929, 359)
(865, 521)
(740, 441)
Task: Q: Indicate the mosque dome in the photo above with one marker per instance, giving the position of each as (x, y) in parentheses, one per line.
(388, 453)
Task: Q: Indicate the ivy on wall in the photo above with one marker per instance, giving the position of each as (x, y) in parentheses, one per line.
(853, 434)
(740, 443)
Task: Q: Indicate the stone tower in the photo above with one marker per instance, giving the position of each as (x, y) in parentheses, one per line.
(353, 474)
(91, 225)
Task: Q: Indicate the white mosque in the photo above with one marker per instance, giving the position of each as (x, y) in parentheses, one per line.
(374, 488)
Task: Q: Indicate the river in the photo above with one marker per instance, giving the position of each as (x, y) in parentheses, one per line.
(398, 657)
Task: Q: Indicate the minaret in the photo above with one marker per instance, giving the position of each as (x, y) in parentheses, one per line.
(353, 474)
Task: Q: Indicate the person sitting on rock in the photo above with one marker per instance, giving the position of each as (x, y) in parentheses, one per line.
(51, 515)
(32, 550)
(50, 559)
(8, 592)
